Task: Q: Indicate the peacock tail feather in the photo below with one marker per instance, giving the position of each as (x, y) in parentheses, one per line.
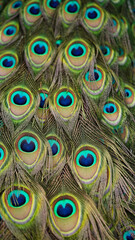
(67, 120)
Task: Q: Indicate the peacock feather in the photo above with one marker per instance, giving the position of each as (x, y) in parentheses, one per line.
(67, 120)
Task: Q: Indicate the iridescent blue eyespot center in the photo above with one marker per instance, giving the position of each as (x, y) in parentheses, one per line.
(20, 98)
(58, 42)
(128, 93)
(86, 158)
(8, 62)
(77, 50)
(121, 51)
(72, 7)
(105, 50)
(17, 4)
(109, 108)
(55, 146)
(64, 208)
(34, 9)
(65, 99)
(10, 31)
(39, 48)
(43, 97)
(53, 3)
(97, 76)
(92, 13)
(1, 154)
(129, 235)
(17, 198)
(114, 22)
(28, 144)
(113, 81)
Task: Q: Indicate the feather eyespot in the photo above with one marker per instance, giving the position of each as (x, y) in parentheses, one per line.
(66, 214)
(20, 102)
(14, 7)
(32, 12)
(50, 6)
(94, 82)
(112, 112)
(8, 64)
(129, 235)
(115, 28)
(3, 155)
(38, 52)
(65, 102)
(9, 32)
(122, 58)
(129, 96)
(43, 108)
(19, 204)
(70, 10)
(93, 17)
(108, 53)
(58, 42)
(77, 54)
(87, 161)
(56, 148)
(28, 148)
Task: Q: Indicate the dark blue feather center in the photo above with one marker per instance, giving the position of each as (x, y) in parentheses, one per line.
(9, 31)
(19, 100)
(17, 5)
(39, 49)
(34, 10)
(54, 149)
(54, 3)
(77, 52)
(72, 8)
(110, 109)
(7, 63)
(64, 211)
(104, 50)
(27, 147)
(86, 161)
(65, 101)
(96, 75)
(18, 201)
(92, 14)
(129, 238)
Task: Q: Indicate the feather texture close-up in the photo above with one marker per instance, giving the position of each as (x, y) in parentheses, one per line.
(67, 120)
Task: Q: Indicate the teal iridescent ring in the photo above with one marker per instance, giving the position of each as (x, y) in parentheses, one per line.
(55, 146)
(39, 48)
(1, 154)
(78, 48)
(65, 95)
(29, 144)
(7, 62)
(67, 206)
(34, 9)
(53, 3)
(128, 93)
(75, 5)
(15, 194)
(97, 74)
(21, 95)
(109, 108)
(92, 13)
(128, 235)
(85, 154)
(10, 31)
(105, 50)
